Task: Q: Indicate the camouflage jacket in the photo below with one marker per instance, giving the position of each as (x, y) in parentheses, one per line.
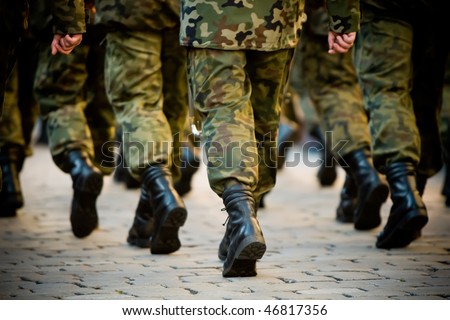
(138, 14)
(68, 16)
(264, 25)
(406, 10)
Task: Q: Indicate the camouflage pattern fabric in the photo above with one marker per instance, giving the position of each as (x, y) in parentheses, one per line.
(445, 114)
(68, 16)
(387, 85)
(20, 108)
(137, 14)
(239, 88)
(70, 90)
(257, 25)
(241, 111)
(332, 85)
(146, 84)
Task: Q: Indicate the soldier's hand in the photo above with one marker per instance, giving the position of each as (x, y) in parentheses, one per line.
(340, 43)
(65, 44)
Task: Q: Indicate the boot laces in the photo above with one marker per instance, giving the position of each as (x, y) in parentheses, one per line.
(228, 217)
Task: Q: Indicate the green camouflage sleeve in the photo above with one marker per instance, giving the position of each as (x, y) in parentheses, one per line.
(344, 15)
(68, 16)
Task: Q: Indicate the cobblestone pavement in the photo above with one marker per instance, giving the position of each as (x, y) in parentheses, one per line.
(309, 255)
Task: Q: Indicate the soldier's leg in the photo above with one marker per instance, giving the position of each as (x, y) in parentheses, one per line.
(12, 146)
(59, 86)
(333, 87)
(429, 58)
(396, 141)
(445, 134)
(268, 76)
(221, 90)
(134, 84)
(175, 94)
(99, 112)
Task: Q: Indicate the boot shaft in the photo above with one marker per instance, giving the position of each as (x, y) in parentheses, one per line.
(359, 165)
(402, 182)
(157, 181)
(240, 206)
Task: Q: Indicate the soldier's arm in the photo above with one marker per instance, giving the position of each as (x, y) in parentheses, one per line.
(344, 17)
(69, 25)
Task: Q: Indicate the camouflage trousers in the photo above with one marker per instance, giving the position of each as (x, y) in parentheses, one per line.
(20, 108)
(147, 86)
(401, 68)
(240, 95)
(71, 93)
(445, 114)
(331, 83)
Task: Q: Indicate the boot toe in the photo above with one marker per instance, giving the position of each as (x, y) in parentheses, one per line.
(402, 233)
(87, 187)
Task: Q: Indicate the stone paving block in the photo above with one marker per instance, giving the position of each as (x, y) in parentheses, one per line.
(309, 255)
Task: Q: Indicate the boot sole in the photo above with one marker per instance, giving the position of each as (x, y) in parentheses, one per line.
(83, 217)
(165, 237)
(244, 260)
(407, 230)
(368, 217)
(139, 242)
(344, 216)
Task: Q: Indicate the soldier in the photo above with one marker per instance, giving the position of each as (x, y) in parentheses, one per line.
(146, 85)
(332, 85)
(68, 27)
(239, 55)
(16, 125)
(400, 59)
(71, 93)
(445, 134)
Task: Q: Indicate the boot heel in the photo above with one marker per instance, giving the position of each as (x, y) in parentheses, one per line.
(407, 230)
(368, 216)
(165, 237)
(241, 268)
(243, 264)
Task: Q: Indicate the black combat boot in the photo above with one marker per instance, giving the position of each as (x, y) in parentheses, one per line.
(189, 166)
(246, 241)
(169, 210)
(87, 185)
(225, 242)
(408, 214)
(141, 231)
(327, 171)
(349, 194)
(372, 191)
(11, 197)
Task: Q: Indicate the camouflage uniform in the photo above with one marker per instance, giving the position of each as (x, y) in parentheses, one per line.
(68, 17)
(332, 85)
(71, 93)
(20, 108)
(239, 56)
(146, 79)
(407, 33)
(240, 86)
(146, 85)
(400, 57)
(445, 133)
